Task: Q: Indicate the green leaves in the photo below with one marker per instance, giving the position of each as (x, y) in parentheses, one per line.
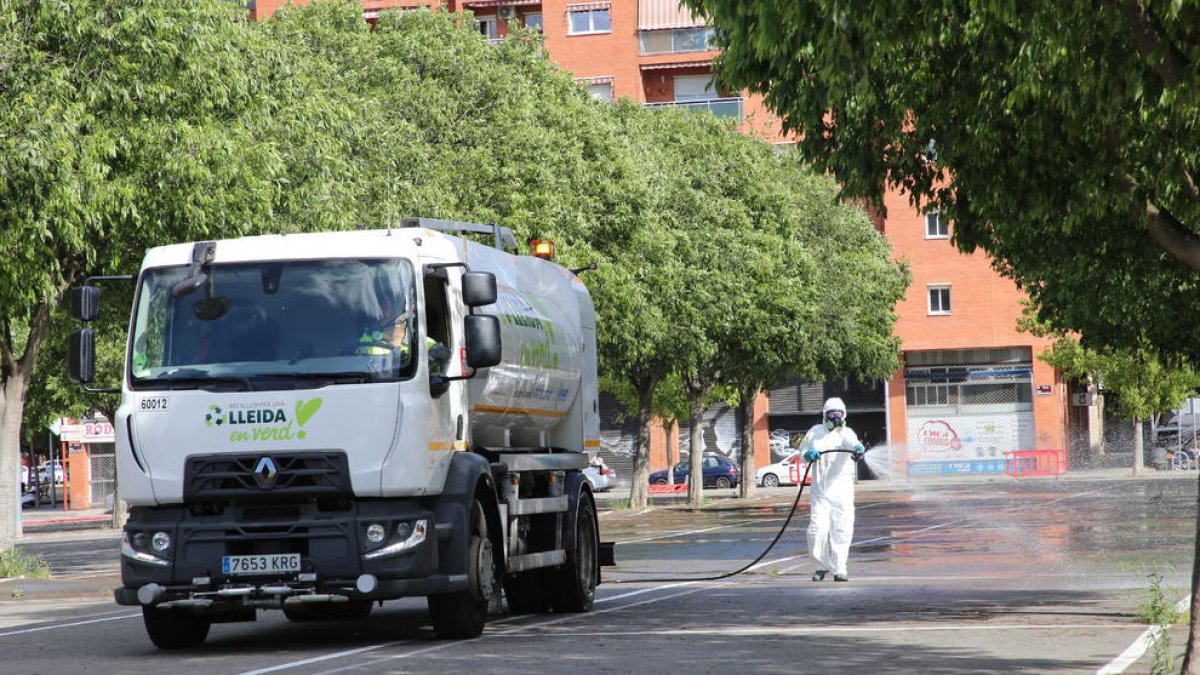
(1059, 127)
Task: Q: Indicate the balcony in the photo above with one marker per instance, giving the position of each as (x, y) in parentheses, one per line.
(721, 107)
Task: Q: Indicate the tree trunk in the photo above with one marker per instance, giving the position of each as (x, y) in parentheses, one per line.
(1188, 667)
(15, 371)
(695, 447)
(641, 455)
(747, 487)
(1137, 448)
(12, 406)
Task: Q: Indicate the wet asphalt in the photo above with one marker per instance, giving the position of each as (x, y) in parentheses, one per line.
(987, 575)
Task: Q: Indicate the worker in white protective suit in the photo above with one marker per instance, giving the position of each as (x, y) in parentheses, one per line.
(831, 512)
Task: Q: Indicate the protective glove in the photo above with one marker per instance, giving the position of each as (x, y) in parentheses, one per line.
(859, 450)
(811, 455)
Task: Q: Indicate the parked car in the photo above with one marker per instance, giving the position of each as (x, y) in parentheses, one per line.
(600, 476)
(44, 472)
(784, 472)
(718, 471)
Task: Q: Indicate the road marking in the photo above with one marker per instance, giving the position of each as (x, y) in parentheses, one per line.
(67, 625)
(1134, 651)
(821, 630)
(501, 633)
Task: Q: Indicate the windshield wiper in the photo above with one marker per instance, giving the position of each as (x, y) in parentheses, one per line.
(198, 381)
(336, 377)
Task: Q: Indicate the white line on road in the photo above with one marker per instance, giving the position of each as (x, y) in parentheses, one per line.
(67, 625)
(1134, 651)
(822, 630)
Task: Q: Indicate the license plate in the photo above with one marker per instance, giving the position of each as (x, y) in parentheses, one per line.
(260, 564)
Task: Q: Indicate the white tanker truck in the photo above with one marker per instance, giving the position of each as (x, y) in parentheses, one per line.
(319, 422)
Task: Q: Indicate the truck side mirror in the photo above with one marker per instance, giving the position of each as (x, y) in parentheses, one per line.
(478, 288)
(81, 356)
(483, 339)
(85, 303)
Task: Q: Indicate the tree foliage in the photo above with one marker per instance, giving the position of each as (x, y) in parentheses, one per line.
(1144, 384)
(1059, 137)
(144, 124)
(124, 126)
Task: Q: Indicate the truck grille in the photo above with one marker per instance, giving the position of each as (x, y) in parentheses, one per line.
(268, 476)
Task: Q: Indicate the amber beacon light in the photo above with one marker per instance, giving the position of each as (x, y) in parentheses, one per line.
(542, 248)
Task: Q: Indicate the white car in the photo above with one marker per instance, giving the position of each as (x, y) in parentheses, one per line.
(601, 477)
(44, 472)
(787, 471)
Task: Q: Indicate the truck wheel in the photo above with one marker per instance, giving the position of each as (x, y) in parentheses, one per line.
(526, 593)
(573, 585)
(462, 614)
(175, 629)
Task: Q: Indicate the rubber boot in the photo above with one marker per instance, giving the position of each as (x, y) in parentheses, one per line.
(841, 577)
(819, 575)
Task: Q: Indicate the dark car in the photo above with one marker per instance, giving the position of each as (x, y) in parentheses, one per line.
(719, 472)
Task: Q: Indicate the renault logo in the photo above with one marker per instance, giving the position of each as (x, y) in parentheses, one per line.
(265, 472)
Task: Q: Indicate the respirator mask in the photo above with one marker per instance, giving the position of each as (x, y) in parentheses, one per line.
(835, 419)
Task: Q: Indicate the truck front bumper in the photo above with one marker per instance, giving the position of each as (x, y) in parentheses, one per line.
(338, 560)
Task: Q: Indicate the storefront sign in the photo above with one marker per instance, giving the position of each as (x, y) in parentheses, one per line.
(100, 431)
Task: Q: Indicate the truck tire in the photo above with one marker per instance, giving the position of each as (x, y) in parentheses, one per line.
(461, 615)
(573, 585)
(175, 629)
(526, 592)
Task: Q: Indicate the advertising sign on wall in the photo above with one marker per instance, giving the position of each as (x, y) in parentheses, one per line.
(964, 443)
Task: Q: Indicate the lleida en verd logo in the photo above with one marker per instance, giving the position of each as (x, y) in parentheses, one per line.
(262, 422)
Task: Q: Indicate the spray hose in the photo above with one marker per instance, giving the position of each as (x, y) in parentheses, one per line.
(752, 563)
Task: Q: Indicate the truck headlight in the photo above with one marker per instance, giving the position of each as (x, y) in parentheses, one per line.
(375, 533)
(160, 542)
(129, 551)
(414, 538)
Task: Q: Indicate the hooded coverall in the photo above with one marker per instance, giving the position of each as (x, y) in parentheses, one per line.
(831, 514)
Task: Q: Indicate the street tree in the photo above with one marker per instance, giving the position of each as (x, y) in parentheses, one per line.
(1142, 384)
(1060, 138)
(125, 125)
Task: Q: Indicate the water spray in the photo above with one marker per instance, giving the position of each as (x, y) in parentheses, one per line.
(778, 535)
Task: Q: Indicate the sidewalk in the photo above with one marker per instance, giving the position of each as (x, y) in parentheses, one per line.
(46, 517)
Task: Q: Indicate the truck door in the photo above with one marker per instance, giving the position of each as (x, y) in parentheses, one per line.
(441, 347)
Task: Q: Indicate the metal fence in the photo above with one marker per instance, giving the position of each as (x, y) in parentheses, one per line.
(103, 479)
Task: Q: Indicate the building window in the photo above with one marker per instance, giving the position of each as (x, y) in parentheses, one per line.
(588, 19)
(930, 394)
(939, 299)
(936, 226)
(602, 91)
(695, 88)
(487, 27)
(534, 20)
(674, 41)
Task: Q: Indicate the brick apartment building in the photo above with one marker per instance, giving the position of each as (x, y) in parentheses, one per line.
(971, 388)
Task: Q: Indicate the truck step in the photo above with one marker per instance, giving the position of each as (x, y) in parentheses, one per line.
(525, 507)
(529, 561)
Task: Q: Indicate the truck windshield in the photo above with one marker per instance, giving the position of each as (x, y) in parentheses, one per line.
(275, 324)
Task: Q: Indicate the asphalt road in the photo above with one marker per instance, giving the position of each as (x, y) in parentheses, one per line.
(1036, 576)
